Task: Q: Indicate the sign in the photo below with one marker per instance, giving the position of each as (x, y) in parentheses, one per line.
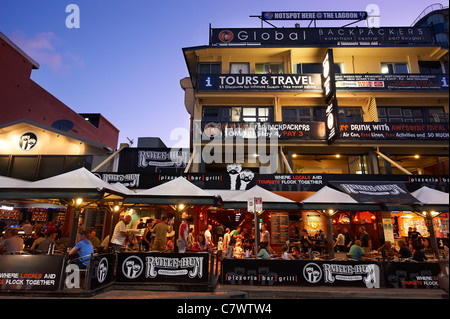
(167, 267)
(30, 272)
(317, 15)
(300, 273)
(326, 37)
(101, 271)
(279, 223)
(329, 95)
(147, 159)
(388, 230)
(251, 205)
(388, 82)
(27, 141)
(395, 131)
(410, 275)
(248, 130)
(258, 205)
(377, 192)
(259, 82)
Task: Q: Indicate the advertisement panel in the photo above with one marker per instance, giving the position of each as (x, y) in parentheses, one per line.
(326, 37)
(314, 15)
(386, 82)
(300, 273)
(167, 267)
(410, 275)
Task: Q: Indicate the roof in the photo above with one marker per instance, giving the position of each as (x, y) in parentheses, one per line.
(19, 50)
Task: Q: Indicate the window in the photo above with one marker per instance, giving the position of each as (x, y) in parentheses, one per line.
(430, 67)
(317, 68)
(210, 68)
(394, 68)
(239, 68)
(412, 114)
(299, 114)
(350, 114)
(269, 68)
(237, 114)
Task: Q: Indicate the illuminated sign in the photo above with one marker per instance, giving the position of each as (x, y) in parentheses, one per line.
(329, 95)
(315, 15)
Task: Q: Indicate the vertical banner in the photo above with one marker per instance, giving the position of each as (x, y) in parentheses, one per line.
(329, 95)
(388, 229)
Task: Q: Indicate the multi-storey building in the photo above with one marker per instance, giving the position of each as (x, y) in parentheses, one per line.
(386, 118)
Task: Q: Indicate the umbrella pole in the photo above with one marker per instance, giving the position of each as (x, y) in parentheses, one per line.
(330, 248)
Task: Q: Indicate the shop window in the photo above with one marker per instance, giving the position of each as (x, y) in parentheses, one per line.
(394, 68)
(350, 114)
(269, 68)
(210, 68)
(239, 68)
(430, 67)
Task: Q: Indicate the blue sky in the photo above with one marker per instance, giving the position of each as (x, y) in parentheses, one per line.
(125, 61)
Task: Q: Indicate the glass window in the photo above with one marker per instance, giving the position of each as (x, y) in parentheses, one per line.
(437, 115)
(350, 114)
(394, 68)
(401, 68)
(4, 163)
(430, 67)
(75, 162)
(303, 114)
(210, 114)
(210, 68)
(269, 68)
(311, 68)
(239, 68)
(50, 166)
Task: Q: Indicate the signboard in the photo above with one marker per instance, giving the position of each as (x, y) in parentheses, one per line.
(377, 192)
(249, 130)
(279, 223)
(388, 230)
(259, 82)
(387, 82)
(329, 95)
(147, 159)
(411, 275)
(167, 267)
(279, 182)
(300, 273)
(314, 15)
(395, 131)
(30, 272)
(101, 271)
(326, 37)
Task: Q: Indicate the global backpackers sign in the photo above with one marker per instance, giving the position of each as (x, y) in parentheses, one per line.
(327, 37)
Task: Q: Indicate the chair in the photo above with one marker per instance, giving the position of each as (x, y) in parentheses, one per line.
(82, 271)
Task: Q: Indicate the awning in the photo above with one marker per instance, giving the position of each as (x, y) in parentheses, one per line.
(387, 193)
(431, 200)
(174, 192)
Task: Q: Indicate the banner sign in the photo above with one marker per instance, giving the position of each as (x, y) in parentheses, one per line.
(248, 130)
(147, 159)
(377, 192)
(411, 275)
(395, 131)
(327, 37)
(300, 273)
(387, 82)
(259, 82)
(101, 271)
(317, 15)
(30, 272)
(167, 267)
(280, 182)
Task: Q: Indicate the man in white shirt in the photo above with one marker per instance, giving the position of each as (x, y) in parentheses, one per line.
(208, 236)
(120, 233)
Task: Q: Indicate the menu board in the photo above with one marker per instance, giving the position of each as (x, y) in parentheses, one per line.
(279, 227)
(441, 226)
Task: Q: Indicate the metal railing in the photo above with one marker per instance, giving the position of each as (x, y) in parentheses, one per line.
(427, 10)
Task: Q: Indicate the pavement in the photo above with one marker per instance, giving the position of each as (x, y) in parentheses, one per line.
(248, 292)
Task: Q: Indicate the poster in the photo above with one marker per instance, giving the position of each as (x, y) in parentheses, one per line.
(279, 222)
(388, 229)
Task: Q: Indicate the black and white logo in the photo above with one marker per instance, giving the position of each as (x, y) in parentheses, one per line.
(132, 267)
(27, 141)
(102, 270)
(312, 273)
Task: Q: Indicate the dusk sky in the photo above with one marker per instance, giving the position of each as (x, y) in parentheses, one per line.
(125, 61)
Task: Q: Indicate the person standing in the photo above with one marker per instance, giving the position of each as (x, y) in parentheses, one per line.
(146, 239)
(348, 239)
(366, 242)
(161, 230)
(264, 237)
(208, 236)
(226, 239)
(183, 233)
(340, 241)
(120, 234)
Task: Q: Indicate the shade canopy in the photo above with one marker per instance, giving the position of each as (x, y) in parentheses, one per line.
(431, 200)
(176, 191)
(269, 199)
(9, 182)
(76, 183)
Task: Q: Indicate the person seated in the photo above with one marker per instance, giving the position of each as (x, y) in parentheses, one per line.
(387, 251)
(200, 245)
(84, 249)
(404, 251)
(356, 251)
(418, 254)
(263, 253)
(12, 242)
(286, 255)
(44, 245)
